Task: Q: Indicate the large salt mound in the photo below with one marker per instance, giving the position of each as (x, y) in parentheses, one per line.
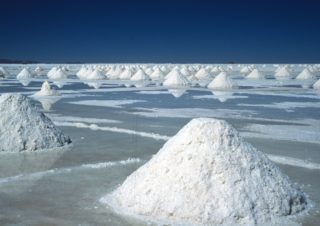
(222, 82)
(208, 175)
(24, 128)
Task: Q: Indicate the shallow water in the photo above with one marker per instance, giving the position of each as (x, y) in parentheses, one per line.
(60, 188)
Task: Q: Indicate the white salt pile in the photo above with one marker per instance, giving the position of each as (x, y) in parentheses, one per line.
(208, 175)
(52, 71)
(283, 73)
(38, 71)
(82, 73)
(126, 74)
(222, 82)
(140, 75)
(96, 75)
(245, 70)
(46, 90)
(58, 74)
(176, 79)
(3, 73)
(157, 74)
(255, 74)
(24, 74)
(306, 74)
(316, 85)
(24, 128)
(202, 74)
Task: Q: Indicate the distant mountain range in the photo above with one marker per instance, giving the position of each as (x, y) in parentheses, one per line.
(9, 61)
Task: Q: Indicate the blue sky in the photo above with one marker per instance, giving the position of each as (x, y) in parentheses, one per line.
(161, 31)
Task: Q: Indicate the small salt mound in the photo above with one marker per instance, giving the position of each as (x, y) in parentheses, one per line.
(306, 75)
(24, 74)
(222, 82)
(283, 73)
(176, 79)
(46, 91)
(208, 175)
(245, 70)
(140, 78)
(140, 75)
(96, 75)
(126, 74)
(58, 74)
(157, 74)
(114, 73)
(255, 74)
(202, 74)
(3, 73)
(81, 73)
(52, 71)
(316, 85)
(38, 71)
(215, 69)
(24, 128)
(184, 71)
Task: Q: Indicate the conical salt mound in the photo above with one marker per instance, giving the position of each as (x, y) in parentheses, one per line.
(176, 79)
(157, 74)
(283, 73)
(96, 75)
(24, 128)
(222, 82)
(255, 74)
(46, 90)
(81, 73)
(202, 74)
(306, 74)
(245, 70)
(24, 74)
(3, 73)
(140, 75)
(208, 175)
(126, 74)
(316, 85)
(58, 74)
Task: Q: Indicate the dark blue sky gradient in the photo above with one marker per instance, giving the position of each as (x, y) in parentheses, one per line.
(161, 31)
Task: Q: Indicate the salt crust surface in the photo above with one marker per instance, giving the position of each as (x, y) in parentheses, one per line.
(24, 128)
(208, 175)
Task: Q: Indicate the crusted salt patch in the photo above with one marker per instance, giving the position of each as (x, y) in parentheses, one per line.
(24, 128)
(208, 175)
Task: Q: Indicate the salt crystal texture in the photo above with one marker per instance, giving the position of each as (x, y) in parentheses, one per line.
(24, 128)
(208, 175)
